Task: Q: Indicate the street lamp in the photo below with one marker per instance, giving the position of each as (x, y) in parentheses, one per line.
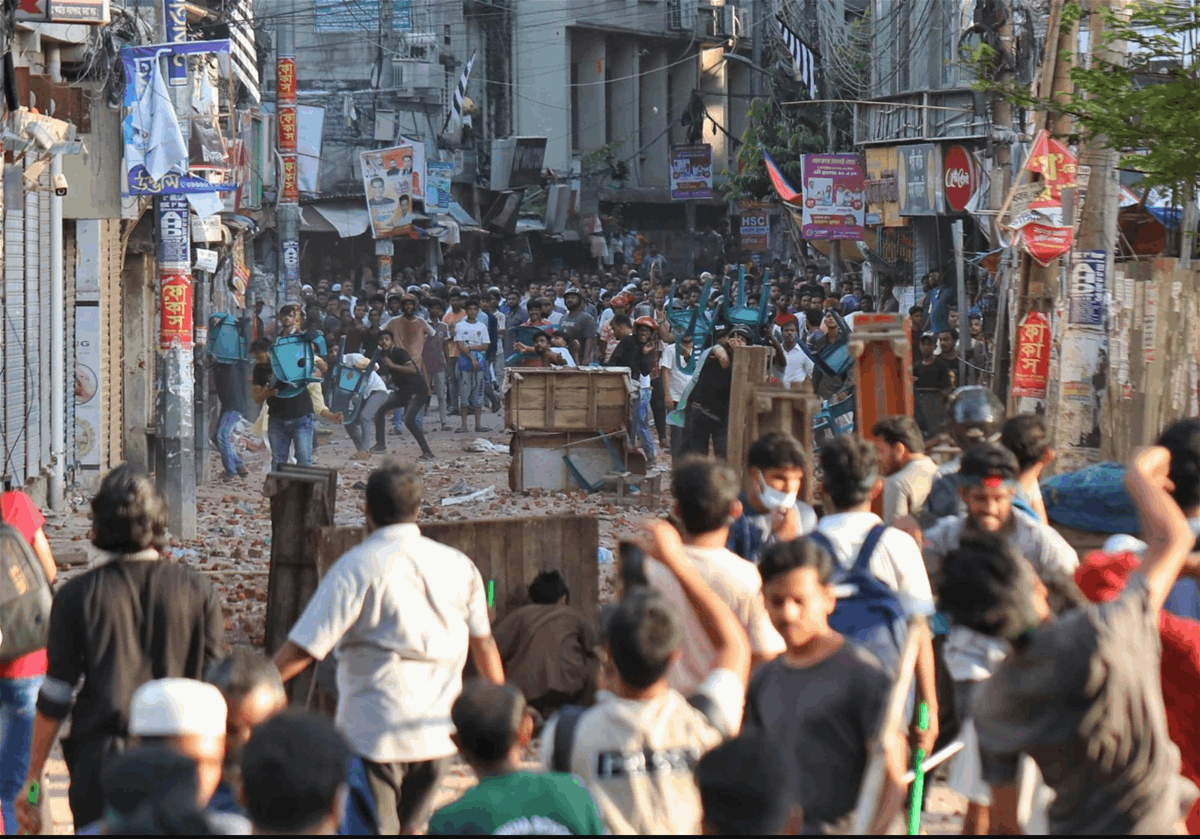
(741, 59)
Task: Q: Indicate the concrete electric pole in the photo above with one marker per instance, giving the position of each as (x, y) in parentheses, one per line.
(287, 209)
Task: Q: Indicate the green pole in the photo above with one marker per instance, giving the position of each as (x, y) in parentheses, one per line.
(918, 784)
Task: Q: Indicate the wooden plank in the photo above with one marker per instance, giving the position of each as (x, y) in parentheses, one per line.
(750, 368)
(775, 409)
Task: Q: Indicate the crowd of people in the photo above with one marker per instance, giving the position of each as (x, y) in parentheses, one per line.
(739, 684)
(449, 343)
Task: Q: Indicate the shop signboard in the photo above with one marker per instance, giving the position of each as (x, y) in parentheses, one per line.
(920, 180)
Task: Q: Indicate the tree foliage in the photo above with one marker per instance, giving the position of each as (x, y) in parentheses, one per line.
(1145, 108)
(781, 132)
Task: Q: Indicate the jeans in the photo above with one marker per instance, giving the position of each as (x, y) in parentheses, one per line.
(229, 458)
(366, 419)
(645, 438)
(283, 433)
(18, 706)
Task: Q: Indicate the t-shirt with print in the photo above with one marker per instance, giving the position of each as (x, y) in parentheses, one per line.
(471, 334)
(18, 509)
(637, 756)
(399, 609)
(739, 585)
(822, 718)
(1084, 700)
(578, 327)
(521, 804)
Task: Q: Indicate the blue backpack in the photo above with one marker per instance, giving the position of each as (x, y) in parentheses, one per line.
(227, 343)
(870, 613)
(292, 362)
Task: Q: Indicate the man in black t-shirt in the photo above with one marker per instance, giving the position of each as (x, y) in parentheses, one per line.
(133, 617)
(932, 384)
(290, 420)
(409, 391)
(707, 415)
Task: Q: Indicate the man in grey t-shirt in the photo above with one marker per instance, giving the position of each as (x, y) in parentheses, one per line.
(1082, 694)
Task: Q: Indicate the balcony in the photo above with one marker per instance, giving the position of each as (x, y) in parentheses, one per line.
(957, 114)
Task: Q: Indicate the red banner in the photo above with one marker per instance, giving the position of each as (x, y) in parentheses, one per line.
(288, 130)
(176, 309)
(285, 80)
(1055, 163)
(1032, 367)
(1045, 243)
(290, 191)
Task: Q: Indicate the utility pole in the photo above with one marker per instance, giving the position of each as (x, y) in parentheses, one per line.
(175, 460)
(287, 208)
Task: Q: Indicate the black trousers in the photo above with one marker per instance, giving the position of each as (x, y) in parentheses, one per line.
(412, 401)
(701, 427)
(85, 758)
(658, 407)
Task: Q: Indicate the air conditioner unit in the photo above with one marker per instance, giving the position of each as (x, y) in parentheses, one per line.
(681, 15)
(412, 77)
(742, 23)
(713, 21)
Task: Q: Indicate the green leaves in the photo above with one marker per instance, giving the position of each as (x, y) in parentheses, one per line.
(782, 133)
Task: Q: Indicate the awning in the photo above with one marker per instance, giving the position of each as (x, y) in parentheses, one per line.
(347, 219)
(464, 219)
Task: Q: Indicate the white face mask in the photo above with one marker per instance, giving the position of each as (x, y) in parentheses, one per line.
(773, 499)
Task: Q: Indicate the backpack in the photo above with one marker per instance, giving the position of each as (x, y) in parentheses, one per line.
(349, 384)
(227, 342)
(292, 362)
(870, 613)
(25, 597)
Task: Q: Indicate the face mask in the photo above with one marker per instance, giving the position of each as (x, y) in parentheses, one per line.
(773, 499)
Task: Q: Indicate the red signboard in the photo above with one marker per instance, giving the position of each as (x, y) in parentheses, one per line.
(1045, 243)
(285, 80)
(176, 308)
(290, 191)
(959, 177)
(288, 131)
(1033, 357)
(1055, 163)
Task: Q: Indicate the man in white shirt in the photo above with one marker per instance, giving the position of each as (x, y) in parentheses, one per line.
(851, 482)
(792, 364)
(635, 749)
(706, 503)
(471, 337)
(679, 367)
(402, 612)
(375, 395)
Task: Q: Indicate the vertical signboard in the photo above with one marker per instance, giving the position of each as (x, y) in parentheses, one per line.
(691, 172)
(919, 178)
(834, 207)
(174, 271)
(1032, 369)
(756, 225)
(175, 17)
(1089, 286)
(437, 186)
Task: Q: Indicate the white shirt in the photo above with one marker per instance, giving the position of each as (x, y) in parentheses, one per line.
(360, 362)
(799, 367)
(896, 562)
(677, 380)
(471, 334)
(398, 609)
(564, 354)
(738, 584)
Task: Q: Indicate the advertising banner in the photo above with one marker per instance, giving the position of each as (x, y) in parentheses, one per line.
(756, 225)
(1089, 287)
(174, 248)
(1045, 243)
(1033, 357)
(437, 186)
(959, 178)
(390, 181)
(176, 309)
(834, 206)
(289, 190)
(920, 179)
(1055, 163)
(691, 172)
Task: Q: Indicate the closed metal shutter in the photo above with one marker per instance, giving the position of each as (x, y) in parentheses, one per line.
(14, 326)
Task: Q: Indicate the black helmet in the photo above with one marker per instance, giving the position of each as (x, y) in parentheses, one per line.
(976, 415)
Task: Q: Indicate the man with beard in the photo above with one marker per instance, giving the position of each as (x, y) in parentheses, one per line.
(579, 328)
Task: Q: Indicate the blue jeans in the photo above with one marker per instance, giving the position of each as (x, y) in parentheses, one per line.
(229, 458)
(18, 706)
(645, 438)
(283, 433)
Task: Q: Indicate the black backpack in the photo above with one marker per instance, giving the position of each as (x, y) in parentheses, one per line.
(25, 597)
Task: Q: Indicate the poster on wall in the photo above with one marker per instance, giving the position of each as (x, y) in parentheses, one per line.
(920, 180)
(834, 205)
(390, 180)
(87, 385)
(755, 225)
(1032, 368)
(437, 185)
(691, 172)
(1084, 377)
(1089, 286)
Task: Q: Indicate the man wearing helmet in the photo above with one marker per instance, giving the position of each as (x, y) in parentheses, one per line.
(976, 415)
(637, 350)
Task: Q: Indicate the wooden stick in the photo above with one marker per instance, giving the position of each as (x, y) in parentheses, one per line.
(871, 790)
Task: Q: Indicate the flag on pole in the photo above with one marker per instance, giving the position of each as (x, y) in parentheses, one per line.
(454, 119)
(804, 60)
(782, 187)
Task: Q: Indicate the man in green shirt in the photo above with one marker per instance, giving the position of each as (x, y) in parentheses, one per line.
(493, 729)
